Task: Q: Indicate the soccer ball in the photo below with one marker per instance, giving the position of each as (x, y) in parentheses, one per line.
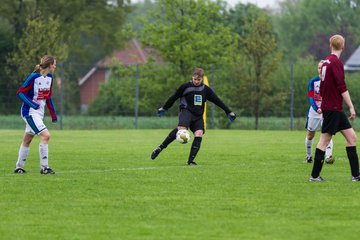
(183, 136)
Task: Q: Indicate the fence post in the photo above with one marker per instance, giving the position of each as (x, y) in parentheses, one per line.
(136, 97)
(212, 105)
(292, 96)
(61, 94)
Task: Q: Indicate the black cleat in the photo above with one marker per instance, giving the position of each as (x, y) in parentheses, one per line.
(308, 159)
(155, 153)
(355, 179)
(317, 179)
(191, 163)
(47, 171)
(19, 171)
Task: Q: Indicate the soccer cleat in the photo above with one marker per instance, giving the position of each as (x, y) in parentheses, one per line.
(330, 160)
(155, 153)
(47, 171)
(317, 179)
(308, 159)
(19, 170)
(191, 163)
(355, 179)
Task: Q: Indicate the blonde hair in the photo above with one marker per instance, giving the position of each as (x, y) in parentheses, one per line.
(45, 62)
(337, 42)
(321, 62)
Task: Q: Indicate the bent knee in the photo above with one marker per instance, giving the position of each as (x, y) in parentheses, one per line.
(352, 140)
(199, 133)
(310, 135)
(45, 136)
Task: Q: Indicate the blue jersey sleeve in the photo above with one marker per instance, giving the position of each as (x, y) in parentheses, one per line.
(310, 93)
(26, 91)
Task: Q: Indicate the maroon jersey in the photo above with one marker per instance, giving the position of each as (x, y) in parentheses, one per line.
(332, 84)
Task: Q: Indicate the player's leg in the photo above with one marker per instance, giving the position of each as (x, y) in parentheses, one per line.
(184, 121)
(319, 156)
(351, 151)
(308, 145)
(23, 153)
(329, 159)
(169, 139)
(330, 126)
(197, 127)
(195, 147)
(312, 125)
(44, 152)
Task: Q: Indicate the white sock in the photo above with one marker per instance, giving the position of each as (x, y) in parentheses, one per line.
(308, 145)
(23, 153)
(44, 159)
(329, 149)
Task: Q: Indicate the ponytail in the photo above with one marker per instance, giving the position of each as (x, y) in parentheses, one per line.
(45, 62)
(37, 68)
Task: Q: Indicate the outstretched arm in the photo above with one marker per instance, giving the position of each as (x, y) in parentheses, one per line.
(216, 100)
(212, 97)
(168, 104)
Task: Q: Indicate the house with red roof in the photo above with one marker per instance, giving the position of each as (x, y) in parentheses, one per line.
(100, 73)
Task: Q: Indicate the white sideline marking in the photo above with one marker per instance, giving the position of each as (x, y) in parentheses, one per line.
(118, 169)
(104, 170)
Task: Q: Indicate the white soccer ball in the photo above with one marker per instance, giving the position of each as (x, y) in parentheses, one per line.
(183, 136)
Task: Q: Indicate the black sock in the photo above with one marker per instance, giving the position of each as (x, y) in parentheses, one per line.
(318, 163)
(353, 160)
(194, 148)
(169, 139)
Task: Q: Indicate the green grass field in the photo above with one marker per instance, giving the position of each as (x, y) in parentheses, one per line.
(248, 185)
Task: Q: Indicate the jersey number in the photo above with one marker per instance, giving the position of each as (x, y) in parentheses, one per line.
(323, 73)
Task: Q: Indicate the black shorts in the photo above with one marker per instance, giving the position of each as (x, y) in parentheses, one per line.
(334, 122)
(189, 120)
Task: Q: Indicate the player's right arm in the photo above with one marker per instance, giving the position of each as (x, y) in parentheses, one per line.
(310, 94)
(25, 88)
(177, 94)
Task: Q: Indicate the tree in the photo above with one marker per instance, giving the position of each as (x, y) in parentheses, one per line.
(190, 33)
(260, 48)
(91, 30)
(305, 26)
(43, 36)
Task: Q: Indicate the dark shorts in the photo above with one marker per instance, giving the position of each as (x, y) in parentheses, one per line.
(334, 122)
(189, 120)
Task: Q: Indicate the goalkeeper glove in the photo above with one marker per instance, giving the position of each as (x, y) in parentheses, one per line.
(232, 116)
(161, 112)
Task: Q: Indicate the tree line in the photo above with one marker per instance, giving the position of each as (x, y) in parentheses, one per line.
(248, 50)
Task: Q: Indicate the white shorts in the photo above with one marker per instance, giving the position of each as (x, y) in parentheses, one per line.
(314, 124)
(34, 124)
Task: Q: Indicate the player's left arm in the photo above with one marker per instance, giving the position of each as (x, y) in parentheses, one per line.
(347, 100)
(311, 93)
(212, 97)
(51, 107)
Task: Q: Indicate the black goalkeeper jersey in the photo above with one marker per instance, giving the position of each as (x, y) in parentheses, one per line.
(193, 98)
